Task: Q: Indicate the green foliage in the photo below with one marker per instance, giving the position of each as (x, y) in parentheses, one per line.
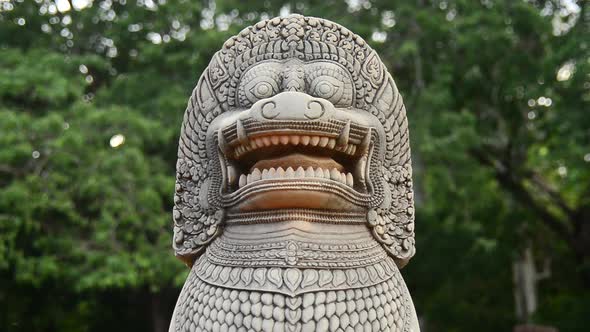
(497, 94)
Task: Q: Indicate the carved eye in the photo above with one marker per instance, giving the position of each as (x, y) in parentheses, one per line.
(329, 81)
(260, 88)
(259, 82)
(327, 87)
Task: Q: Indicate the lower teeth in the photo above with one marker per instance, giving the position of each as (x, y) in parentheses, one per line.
(290, 173)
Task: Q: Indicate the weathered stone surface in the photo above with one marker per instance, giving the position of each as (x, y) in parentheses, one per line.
(294, 203)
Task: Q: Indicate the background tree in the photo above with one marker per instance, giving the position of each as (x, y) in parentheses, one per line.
(91, 98)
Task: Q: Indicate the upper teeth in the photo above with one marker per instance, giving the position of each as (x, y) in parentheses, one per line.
(305, 140)
(310, 172)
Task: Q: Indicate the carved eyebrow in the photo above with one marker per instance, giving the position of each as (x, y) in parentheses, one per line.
(328, 68)
(270, 69)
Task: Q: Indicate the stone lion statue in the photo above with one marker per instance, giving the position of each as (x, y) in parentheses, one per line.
(294, 202)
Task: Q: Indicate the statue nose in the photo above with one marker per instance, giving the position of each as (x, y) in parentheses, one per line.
(292, 105)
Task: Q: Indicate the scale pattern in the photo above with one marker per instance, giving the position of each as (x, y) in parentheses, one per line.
(205, 307)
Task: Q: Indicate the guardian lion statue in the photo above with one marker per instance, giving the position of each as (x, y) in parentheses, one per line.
(294, 203)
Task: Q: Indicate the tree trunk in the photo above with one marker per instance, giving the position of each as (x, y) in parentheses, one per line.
(526, 276)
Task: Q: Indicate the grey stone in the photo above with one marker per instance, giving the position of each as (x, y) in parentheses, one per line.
(293, 200)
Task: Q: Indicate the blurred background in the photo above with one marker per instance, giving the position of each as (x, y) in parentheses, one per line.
(92, 94)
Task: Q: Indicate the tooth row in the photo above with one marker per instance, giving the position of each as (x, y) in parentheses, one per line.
(304, 140)
(310, 172)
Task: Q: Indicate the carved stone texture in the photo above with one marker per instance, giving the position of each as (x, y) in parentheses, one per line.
(294, 202)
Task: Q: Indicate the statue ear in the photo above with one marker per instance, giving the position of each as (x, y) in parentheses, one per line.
(392, 223)
(195, 222)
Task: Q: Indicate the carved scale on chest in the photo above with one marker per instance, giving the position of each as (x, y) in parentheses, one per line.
(293, 203)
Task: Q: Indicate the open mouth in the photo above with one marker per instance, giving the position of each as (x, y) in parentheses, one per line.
(295, 156)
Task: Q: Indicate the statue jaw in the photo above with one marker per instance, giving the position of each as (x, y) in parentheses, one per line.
(300, 152)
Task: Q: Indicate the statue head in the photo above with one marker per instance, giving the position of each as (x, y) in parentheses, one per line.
(292, 114)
